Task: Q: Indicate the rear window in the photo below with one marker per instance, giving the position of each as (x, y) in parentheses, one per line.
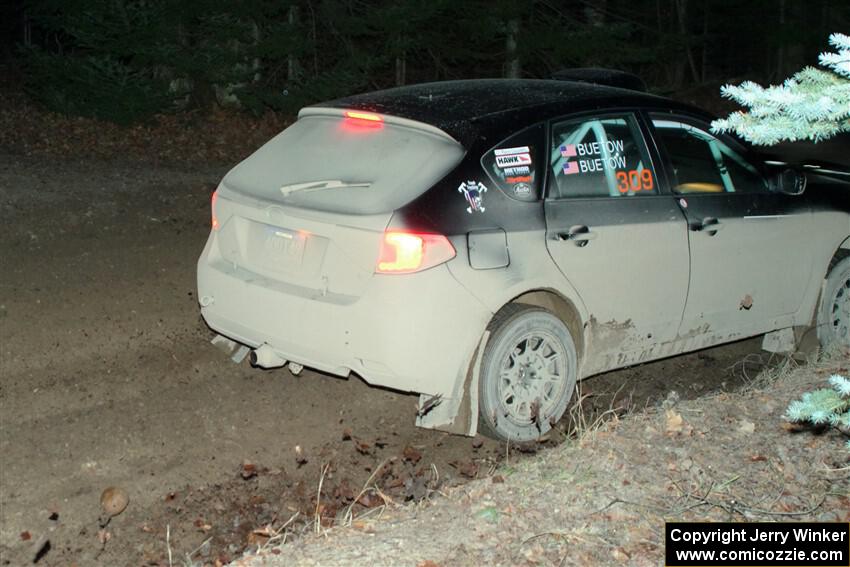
(342, 165)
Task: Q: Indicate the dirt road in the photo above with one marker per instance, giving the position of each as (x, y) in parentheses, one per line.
(107, 378)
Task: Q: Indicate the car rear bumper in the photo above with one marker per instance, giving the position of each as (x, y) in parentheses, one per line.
(411, 332)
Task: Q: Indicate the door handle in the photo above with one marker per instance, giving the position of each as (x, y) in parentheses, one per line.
(579, 235)
(708, 225)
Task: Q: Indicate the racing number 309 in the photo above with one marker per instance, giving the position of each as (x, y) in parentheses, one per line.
(634, 181)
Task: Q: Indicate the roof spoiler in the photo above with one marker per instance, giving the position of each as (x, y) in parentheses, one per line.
(600, 76)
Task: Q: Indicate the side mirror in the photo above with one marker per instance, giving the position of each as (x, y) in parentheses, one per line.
(788, 181)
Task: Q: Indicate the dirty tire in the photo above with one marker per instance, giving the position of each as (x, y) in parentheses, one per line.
(528, 373)
(834, 310)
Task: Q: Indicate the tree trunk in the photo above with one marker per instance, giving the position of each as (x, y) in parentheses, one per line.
(595, 13)
(291, 59)
(682, 11)
(512, 62)
(400, 69)
(255, 62)
(780, 51)
(705, 44)
(27, 31)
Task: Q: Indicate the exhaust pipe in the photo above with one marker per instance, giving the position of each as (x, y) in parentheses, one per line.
(265, 357)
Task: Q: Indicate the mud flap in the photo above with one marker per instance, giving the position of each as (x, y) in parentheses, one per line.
(457, 414)
(782, 341)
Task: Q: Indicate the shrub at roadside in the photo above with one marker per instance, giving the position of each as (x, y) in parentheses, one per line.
(825, 407)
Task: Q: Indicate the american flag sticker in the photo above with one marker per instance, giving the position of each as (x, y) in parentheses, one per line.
(570, 167)
(568, 150)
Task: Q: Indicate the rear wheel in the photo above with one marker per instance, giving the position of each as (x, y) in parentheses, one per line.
(528, 373)
(834, 311)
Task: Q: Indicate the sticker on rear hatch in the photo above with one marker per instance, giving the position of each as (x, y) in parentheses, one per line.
(474, 193)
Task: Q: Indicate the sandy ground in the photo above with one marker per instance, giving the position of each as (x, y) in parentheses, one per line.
(107, 378)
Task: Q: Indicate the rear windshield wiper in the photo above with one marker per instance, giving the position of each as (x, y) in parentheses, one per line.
(319, 186)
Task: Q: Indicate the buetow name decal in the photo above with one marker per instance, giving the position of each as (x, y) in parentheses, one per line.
(595, 157)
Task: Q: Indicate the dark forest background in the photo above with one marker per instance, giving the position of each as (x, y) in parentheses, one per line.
(125, 60)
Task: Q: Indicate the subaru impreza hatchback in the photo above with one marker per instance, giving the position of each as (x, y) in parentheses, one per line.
(488, 243)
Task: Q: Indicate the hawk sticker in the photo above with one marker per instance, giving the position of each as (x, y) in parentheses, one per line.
(474, 193)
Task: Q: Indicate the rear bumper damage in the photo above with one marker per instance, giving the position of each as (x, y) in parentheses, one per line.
(413, 333)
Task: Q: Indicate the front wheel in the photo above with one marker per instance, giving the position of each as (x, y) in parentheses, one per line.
(528, 373)
(834, 312)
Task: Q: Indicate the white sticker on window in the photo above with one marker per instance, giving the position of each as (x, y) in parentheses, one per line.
(509, 151)
(513, 160)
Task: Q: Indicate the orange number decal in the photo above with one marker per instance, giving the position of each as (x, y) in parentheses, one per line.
(623, 184)
(633, 181)
(646, 179)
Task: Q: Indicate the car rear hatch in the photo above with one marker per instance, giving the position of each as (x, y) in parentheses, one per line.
(307, 211)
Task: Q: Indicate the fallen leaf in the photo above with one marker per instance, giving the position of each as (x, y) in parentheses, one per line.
(675, 422)
(498, 479)
(344, 491)
(757, 458)
(113, 501)
(620, 554)
(468, 469)
(746, 427)
(427, 563)
(369, 500)
(362, 447)
(411, 455)
(249, 470)
(26, 536)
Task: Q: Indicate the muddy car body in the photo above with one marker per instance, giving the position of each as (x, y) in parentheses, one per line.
(487, 243)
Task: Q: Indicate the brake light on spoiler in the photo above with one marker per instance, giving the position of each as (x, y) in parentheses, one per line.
(409, 252)
(359, 121)
(368, 116)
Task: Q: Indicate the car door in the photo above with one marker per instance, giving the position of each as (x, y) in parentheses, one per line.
(616, 237)
(750, 253)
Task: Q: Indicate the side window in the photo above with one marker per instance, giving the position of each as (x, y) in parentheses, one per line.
(514, 165)
(704, 164)
(599, 157)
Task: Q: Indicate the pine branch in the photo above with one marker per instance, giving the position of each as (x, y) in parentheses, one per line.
(813, 104)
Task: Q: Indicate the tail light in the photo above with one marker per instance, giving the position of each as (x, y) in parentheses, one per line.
(408, 252)
(214, 220)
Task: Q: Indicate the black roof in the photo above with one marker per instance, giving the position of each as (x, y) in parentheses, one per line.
(472, 109)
